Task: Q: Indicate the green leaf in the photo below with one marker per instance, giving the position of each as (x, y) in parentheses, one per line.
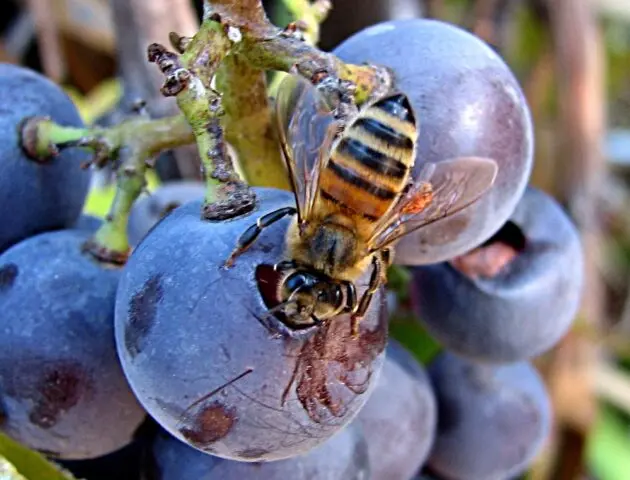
(398, 279)
(8, 471)
(30, 464)
(408, 331)
(608, 451)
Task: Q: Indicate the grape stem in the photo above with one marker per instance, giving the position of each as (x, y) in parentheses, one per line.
(235, 45)
(309, 15)
(132, 144)
(188, 77)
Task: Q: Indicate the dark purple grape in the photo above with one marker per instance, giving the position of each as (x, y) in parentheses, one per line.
(468, 103)
(62, 389)
(399, 419)
(36, 197)
(150, 209)
(513, 298)
(208, 367)
(342, 457)
(492, 420)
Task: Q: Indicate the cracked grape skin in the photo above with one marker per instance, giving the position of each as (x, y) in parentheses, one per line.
(343, 457)
(185, 327)
(522, 311)
(62, 388)
(468, 103)
(399, 419)
(36, 197)
(492, 420)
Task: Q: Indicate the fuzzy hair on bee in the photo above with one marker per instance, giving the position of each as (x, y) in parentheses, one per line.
(355, 198)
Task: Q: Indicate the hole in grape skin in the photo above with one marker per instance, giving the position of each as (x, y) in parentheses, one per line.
(495, 255)
(8, 274)
(141, 314)
(268, 281)
(509, 234)
(327, 358)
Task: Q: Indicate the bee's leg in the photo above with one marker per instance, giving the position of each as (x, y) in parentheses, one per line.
(387, 256)
(375, 282)
(352, 302)
(251, 234)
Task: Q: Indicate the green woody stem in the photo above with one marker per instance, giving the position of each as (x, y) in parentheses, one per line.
(135, 141)
(188, 78)
(248, 123)
(110, 243)
(237, 44)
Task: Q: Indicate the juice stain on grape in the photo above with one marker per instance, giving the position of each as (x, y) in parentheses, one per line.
(141, 314)
(334, 356)
(59, 389)
(8, 274)
(212, 423)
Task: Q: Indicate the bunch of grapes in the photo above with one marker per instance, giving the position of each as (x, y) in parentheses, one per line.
(172, 364)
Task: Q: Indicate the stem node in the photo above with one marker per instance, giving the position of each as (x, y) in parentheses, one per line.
(34, 140)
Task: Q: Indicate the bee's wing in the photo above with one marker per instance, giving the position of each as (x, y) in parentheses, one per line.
(304, 123)
(455, 184)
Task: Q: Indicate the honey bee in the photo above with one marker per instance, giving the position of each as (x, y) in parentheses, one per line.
(355, 199)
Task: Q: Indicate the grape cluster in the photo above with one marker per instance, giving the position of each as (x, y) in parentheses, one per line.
(91, 353)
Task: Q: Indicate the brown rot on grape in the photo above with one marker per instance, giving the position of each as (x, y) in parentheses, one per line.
(209, 363)
(62, 389)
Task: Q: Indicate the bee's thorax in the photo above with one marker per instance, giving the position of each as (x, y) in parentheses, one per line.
(330, 246)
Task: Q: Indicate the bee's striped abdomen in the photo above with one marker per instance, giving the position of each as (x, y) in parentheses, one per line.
(384, 132)
(370, 165)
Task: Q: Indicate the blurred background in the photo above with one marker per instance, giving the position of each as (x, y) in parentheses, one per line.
(572, 58)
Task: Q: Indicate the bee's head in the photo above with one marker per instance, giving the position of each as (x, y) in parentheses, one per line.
(300, 297)
(309, 298)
